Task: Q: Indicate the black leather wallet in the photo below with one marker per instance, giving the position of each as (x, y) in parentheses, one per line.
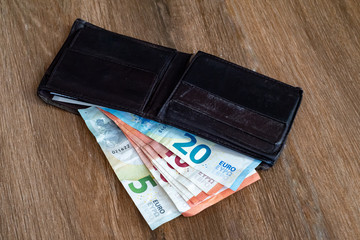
(202, 94)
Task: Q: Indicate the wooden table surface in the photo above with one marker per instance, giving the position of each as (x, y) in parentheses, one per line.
(55, 182)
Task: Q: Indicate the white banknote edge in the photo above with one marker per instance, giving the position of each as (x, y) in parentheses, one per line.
(65, 99)
(61, 95)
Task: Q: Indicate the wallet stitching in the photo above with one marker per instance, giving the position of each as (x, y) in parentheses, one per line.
(197, 111)
(231, 102)
(215, 138)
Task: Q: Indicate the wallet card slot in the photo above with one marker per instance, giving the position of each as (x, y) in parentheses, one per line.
(101, 81)
(229, 113)
(207, 126)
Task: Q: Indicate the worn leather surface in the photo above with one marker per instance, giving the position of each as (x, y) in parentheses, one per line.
(207, 96)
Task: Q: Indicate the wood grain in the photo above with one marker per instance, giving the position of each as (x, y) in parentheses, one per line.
(55, 183)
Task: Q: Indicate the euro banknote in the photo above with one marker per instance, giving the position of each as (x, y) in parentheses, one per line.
(194, 209)
(191, 187)
(173, 194)
(142, 141)
(200, 205)
(252, 177)
(150, 159)
(208, 185)
(224, 165)
(195, 181)
(154, 168)
(164, 169)
(153, 203)
(160, 182)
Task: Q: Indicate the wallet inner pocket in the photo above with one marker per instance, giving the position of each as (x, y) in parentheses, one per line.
(229, 113)
(201, 124)
(101, 81)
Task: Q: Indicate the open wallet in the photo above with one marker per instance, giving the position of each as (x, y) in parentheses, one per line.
(199, 93)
